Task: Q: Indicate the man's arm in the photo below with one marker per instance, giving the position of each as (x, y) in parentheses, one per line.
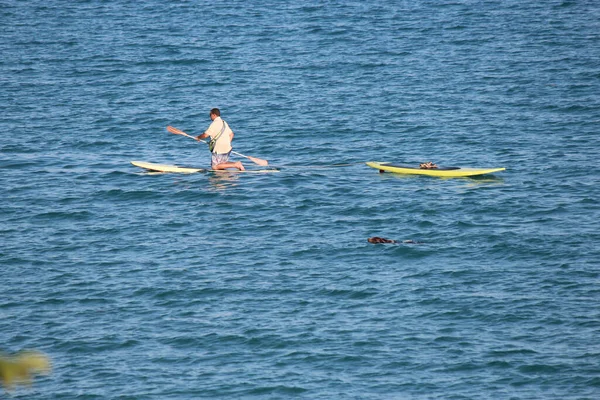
(203, 136)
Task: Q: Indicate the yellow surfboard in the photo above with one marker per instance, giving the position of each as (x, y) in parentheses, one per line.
(448, 172)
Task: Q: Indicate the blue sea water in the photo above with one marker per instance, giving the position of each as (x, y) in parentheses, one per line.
(142, 286)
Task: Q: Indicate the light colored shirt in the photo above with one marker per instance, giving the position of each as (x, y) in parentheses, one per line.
(224, 142)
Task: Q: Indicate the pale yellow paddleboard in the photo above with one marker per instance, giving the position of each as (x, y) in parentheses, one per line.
(448, 172)
(166, 168)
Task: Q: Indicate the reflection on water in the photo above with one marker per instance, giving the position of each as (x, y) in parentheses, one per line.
(223, 180)
(21, 367)
(473, 181)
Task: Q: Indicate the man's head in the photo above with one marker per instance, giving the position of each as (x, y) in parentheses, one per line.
(214, 113)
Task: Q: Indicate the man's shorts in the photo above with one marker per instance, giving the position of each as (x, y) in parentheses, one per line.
(217, 159)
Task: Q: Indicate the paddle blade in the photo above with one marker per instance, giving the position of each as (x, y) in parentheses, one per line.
(259, 161)
(178, 132)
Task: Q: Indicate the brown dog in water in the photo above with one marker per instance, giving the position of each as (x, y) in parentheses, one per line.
(379, 240)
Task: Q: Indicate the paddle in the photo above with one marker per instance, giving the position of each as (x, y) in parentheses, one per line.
(255, 160)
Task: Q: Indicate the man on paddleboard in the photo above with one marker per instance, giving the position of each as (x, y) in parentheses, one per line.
(221, 136)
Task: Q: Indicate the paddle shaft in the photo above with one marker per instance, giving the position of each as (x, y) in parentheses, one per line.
(253, 159)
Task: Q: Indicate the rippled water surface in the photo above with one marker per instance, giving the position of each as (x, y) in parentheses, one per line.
(143, 286)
